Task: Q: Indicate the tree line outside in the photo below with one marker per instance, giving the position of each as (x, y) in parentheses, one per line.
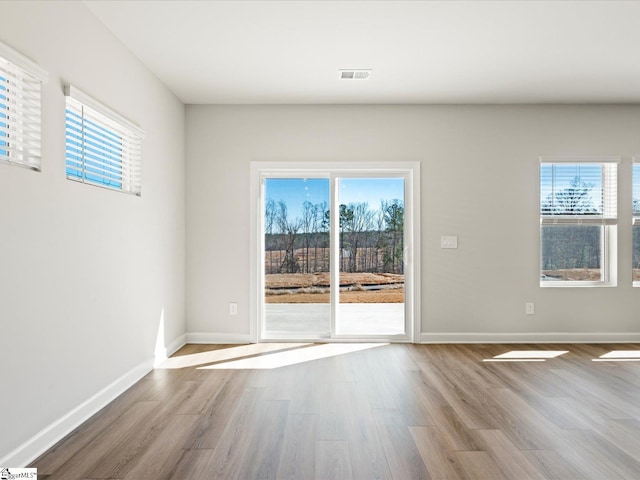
(371, 239)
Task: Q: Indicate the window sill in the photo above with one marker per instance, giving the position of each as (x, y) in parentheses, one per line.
(561, 284)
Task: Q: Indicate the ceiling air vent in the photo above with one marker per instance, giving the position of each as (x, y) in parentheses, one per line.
(359, 74)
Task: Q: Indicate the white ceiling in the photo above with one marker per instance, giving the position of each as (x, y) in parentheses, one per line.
(280, 52)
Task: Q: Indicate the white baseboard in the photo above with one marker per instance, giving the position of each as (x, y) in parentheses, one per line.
(170, 349)
(551, 337)
(222, 338)
(49, 436)
(557, 337)
(177, 344)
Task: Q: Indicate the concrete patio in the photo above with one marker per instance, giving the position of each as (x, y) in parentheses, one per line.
(313, 319)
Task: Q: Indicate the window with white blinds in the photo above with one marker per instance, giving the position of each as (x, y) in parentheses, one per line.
(636, 220)
(102, 147)
(578, 219)
(578, 191)
(20, 91)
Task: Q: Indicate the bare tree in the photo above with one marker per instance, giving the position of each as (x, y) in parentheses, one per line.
(269, 221)
(315, 228)
(289, 230)
(324, 218)
(306, 225)
(346, 226)
(381, 242)
(360, 222)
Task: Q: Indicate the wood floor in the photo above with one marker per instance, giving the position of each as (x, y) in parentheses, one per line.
(366, 411)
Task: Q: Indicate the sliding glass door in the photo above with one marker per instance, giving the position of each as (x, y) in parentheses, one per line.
(333, 255)
(370, 256)
(297, 281)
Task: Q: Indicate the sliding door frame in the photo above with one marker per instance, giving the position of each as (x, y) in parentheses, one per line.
(410, 171)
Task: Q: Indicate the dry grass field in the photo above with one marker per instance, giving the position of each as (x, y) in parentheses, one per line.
(354, 288)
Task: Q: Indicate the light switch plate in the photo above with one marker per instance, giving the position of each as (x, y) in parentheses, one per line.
(448, 241)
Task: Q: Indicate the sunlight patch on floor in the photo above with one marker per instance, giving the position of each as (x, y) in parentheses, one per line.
(619, 356)
(224, 354)
(292, 357)
(526, 356)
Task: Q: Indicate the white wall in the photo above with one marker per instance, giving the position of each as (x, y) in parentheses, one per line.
(86, 274)
(479, 181)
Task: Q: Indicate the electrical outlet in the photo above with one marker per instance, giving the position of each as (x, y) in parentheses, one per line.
(233, 308)
(528, 308)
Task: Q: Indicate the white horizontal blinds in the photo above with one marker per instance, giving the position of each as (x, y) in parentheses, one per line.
(578, 192)
(636, 191)
(610, 190)
(20, 91)
(101, 148)
(3, 118)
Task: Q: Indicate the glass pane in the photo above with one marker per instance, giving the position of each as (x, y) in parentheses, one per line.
(93, 152)
(636, 189)
(371, 256)
(636, 253)
(571, 189)
(571, 252)
(296, 263)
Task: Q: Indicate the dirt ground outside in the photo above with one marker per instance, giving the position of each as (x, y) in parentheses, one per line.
(378, 296)
(574, 274)
(354, 288)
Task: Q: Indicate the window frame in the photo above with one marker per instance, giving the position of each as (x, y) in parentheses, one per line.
(333, 169)
(22, 108)
(82, 163)
(607, 220)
